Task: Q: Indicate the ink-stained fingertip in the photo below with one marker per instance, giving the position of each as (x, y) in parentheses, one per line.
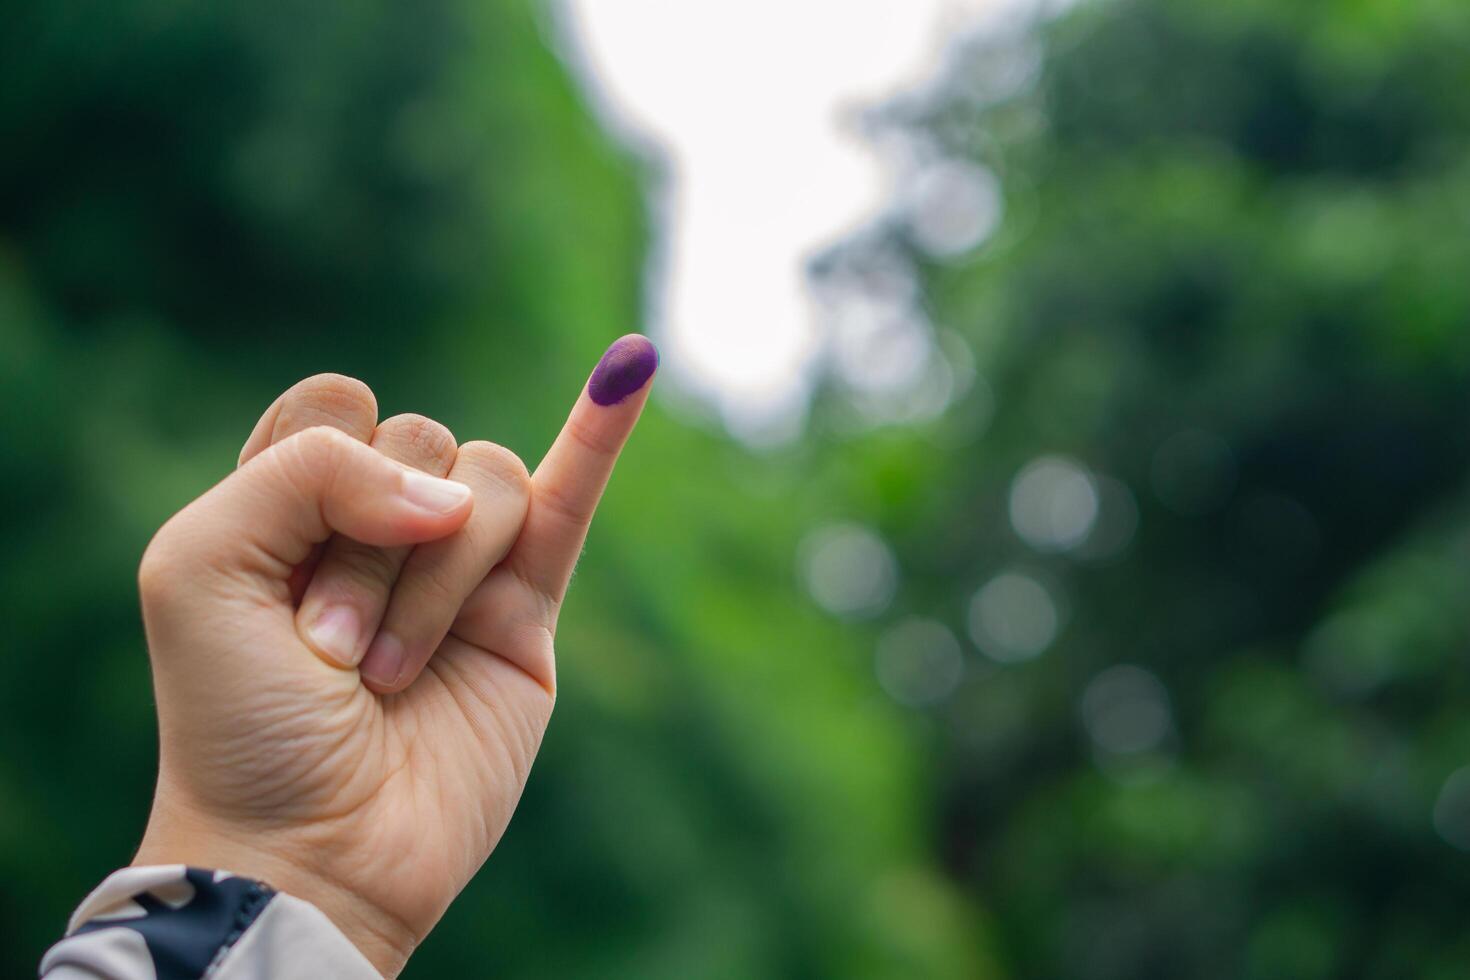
(624, 369)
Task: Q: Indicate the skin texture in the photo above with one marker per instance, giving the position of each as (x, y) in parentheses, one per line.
(376, 798)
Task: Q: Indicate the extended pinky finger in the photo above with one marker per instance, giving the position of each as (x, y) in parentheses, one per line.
(567, 486)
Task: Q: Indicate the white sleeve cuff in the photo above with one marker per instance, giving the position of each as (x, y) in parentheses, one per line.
(171, 922)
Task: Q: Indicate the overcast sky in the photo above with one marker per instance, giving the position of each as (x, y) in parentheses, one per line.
(750, 105)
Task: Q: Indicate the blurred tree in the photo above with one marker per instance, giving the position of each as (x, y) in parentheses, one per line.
(200, 204)
(1225, 325)
(1172, 682)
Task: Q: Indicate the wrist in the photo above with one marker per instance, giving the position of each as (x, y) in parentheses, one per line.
(175, 839)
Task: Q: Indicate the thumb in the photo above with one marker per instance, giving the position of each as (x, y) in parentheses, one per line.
(264, 518)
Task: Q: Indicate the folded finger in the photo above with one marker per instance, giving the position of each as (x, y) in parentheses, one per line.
(262, 519)
(334, 400)
(349, 591)
(438, 577)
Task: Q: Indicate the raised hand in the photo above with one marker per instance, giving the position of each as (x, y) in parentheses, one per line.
(354, 657)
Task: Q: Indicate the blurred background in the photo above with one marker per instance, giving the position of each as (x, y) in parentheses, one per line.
(1046, 553)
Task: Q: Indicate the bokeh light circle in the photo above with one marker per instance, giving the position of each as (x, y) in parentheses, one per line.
(848, 570)
(1054, 504)
(918, 661)
(1013, 617)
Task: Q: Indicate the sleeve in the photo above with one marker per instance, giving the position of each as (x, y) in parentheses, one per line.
(171, 922)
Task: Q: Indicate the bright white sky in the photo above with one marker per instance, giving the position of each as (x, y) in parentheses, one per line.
(746, 102)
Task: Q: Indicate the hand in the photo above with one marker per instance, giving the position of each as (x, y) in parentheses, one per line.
(353, 720)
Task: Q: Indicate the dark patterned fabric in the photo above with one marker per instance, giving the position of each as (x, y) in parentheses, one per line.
(170, 922)
(184, 941)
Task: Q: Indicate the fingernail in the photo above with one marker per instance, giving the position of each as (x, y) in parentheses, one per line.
(336, 632)
(384, 660)
(626, 367)
(432, 493)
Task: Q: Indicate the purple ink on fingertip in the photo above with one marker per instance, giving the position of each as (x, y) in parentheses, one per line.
(626, 367)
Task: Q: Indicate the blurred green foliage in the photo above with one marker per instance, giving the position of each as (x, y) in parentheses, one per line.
(200, 204)
(1232, 277)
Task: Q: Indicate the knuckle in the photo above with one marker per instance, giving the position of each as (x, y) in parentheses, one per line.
(152, 573)
(500, 463)
(158, 568)
(423, 437)
(329, 396)
(594, 442)
(320, 442)
(567, 506)
(369, 568)
(435, 586)
(313, 456)
(538, 656)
